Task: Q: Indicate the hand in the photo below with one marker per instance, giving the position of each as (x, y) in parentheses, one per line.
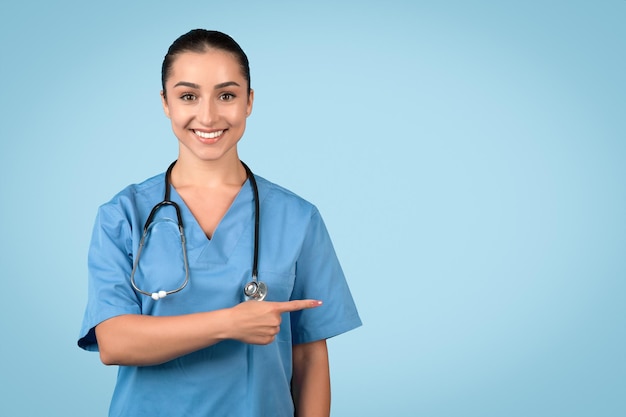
(258, 322)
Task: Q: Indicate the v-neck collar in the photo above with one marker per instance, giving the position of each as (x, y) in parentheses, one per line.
(238, 218)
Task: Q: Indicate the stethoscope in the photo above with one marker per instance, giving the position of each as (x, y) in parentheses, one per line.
(253, 290)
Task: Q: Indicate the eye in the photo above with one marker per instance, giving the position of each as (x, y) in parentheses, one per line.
(227, 96)
(187, 97)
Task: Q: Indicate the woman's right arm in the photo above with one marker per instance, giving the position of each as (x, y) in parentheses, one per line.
(138, 340)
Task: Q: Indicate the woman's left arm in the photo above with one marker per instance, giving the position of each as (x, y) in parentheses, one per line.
(311, 379)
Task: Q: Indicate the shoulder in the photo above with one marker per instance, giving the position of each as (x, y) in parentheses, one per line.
(131, 203)
(276, 197)
(148, 189)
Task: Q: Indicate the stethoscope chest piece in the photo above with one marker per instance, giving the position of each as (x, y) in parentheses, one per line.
(255, 290)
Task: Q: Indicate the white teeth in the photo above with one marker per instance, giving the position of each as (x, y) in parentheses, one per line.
(208, 135)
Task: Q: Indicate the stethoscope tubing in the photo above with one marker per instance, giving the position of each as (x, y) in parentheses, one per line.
(253, 290)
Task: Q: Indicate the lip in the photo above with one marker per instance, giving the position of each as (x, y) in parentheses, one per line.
(207, 135)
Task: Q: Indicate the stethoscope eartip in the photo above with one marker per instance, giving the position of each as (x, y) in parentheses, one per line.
(158, 295)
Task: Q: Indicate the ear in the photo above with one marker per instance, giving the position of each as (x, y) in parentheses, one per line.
(250, 101)
(166, 108)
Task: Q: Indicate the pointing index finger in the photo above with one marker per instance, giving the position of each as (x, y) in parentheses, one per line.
(296, 305)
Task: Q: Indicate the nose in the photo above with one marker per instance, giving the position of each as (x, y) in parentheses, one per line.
(207, 112)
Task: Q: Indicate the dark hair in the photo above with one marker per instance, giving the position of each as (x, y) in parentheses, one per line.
(202, 40)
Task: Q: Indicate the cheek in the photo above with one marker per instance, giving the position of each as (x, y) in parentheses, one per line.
(179, 118)
(240, 114)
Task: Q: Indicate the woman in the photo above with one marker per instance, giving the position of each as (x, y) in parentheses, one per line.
(172, 311)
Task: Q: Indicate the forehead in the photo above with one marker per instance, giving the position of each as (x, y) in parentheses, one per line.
(212, 67)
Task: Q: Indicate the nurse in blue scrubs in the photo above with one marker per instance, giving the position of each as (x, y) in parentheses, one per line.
(206, 350)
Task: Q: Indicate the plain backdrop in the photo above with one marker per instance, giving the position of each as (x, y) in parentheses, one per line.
(468, 158)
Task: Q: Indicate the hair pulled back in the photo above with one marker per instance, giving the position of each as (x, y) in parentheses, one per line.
(202, 40)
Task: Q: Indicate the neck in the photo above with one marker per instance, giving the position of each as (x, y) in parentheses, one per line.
(196, 173)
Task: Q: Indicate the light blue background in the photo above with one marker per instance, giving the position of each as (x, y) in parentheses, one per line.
(467, 156)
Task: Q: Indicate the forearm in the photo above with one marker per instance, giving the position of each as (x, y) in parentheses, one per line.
(138, 340)
(148, 340)
(311, 380)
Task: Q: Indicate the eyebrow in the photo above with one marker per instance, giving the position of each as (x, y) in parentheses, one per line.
(197, 87)
(226, 84)
(187, 84)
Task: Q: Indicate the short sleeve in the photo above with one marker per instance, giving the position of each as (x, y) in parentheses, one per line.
(319, 276)
(109, 266)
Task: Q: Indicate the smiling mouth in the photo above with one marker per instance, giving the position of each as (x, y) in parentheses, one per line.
(209, 135)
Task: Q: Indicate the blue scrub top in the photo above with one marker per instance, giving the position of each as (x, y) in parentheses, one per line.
(296, 261)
